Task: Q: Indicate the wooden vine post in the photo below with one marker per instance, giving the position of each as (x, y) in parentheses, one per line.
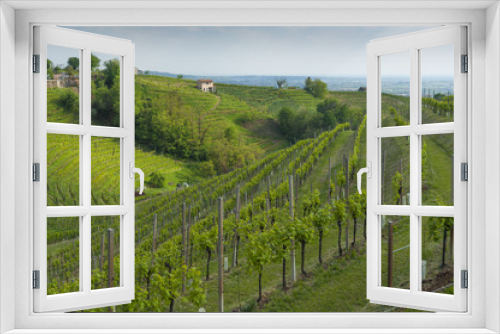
(153, 250)
(184, 246)
(111, 261)
(329, 180)
(292, 247)
(111, 249)
(237, 220)
(389, 255)
(221, 253)
(346, 171)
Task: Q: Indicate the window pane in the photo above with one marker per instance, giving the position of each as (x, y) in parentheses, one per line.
(395, 77)
(437, 68)
(105, 89)
(63, 170)
(437, 169)
(395, 170)
(395, 252)
(105, 252)
(105, 171)
(437, 254)
(63, 85)
(63, 254)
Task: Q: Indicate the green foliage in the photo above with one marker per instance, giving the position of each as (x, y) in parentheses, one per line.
(339, 211)
(334, 111)
(69, 101)
(354, 159)
(425, 162)
(50, 72)
(310, 203)
(95, 62)
(281, 82)
(304, 229)
(74, 62)
(355, 205)
(397, 182)
(259, 251)
(157, 180)
(322, 218)
(316, 88)
(437, 225)
(341, 178)
(111, 73)
(207, 168)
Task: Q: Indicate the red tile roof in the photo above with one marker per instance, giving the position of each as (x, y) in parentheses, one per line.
(205, 80)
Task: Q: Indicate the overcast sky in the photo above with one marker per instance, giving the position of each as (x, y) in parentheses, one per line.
(275, 51)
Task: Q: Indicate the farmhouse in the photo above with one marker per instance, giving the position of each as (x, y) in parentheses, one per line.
(205, 85)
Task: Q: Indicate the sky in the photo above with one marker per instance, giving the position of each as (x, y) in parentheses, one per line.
(274, 51)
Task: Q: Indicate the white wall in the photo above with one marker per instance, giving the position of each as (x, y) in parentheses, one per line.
(492, 164)
(7, 162)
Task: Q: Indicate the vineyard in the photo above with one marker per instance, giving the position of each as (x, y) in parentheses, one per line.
(297, 202)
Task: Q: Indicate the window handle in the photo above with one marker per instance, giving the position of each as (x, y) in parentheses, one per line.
(134, 170)
(368, 171)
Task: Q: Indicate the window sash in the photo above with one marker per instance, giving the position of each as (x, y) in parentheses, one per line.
(85, 298)
(413, 298)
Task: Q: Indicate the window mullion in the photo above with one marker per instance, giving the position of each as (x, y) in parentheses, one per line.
(86, 179)
(414, 168)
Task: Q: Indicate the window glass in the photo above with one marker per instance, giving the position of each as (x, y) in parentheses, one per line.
(437, 73)
(106, 179)
(63, 255)
(395, 92)
(63, 170)
(106, 92)
(63, 85)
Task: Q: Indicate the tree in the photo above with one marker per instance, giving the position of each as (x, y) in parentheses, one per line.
(95, 62)
(334, 111)
(69, 101)
(321, 220)
(304, 233)
(281, 82)
(230, 133)
(74, 62)
(180, 76)
(438, 225)
(50, 72)
(282, 232)
(316, 88)
(206, 241)
(111, 72)
(362, 203)
(339, 214)
(157, 180)
(341, 180)
(355, 209)
(207, 168)
(286, 122)
(259, 253)
(397, 187)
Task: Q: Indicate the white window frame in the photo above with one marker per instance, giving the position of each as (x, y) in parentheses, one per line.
(413, 43)
(85, 43)
(482, 316)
